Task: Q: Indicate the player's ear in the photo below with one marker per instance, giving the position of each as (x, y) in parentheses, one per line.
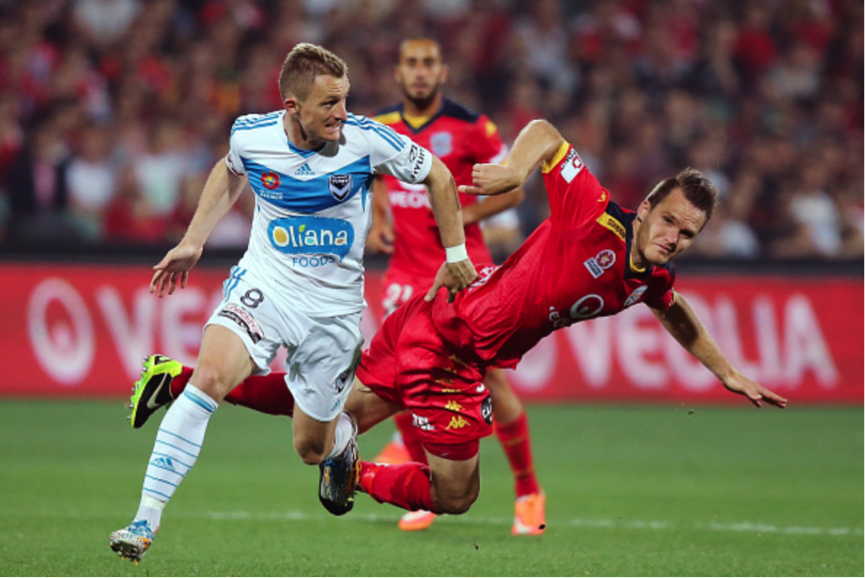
(291, 105)
(643, 210)
(444, 73)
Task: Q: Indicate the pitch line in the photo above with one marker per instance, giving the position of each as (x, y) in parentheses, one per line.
(746, 527)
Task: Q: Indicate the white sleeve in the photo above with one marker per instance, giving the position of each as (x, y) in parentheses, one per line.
(233, 159)
(396, 155)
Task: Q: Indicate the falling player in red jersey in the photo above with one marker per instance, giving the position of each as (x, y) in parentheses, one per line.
(590, 258)
(461, 138)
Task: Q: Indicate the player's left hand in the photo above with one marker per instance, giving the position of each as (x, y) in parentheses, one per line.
(493, 180)
(755, 392)
(455, 276)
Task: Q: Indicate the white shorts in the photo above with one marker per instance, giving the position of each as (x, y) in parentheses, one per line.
(323, 352)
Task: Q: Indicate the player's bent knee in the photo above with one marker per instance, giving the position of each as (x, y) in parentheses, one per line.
(455, 504)
(212, 381)
(310, 451)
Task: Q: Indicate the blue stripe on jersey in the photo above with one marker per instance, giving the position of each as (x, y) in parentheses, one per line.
(305, 153)
(312, 195)
(236, 128)
(255, 119)
(385, 132)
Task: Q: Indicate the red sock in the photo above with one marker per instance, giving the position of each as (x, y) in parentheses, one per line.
(179, 382)
(263, 393)
(516, 442)
(404, 485)
(404, 423)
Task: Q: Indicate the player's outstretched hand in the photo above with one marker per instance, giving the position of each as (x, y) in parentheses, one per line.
(455, 276)
(380, 238)
(493, 180)
(174, 267)
(755, 392)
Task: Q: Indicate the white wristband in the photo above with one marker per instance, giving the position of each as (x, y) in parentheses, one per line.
(456, 254)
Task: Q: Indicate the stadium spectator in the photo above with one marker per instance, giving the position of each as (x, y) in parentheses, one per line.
(38, 190)
(704, 68)
(130, 218)
(92, 181)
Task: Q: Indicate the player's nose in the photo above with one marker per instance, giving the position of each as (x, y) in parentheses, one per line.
(340, 111)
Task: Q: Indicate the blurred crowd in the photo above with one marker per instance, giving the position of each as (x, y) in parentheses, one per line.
(112, 112)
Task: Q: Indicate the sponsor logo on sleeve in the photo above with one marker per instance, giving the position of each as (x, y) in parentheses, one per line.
(243, 319)
(231, 166)
(611, 223)
(416, 158)
(636, 296)
(339, 186)
(572, 166)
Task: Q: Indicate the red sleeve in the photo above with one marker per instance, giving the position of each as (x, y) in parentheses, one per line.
(576, 196)
(487, 145)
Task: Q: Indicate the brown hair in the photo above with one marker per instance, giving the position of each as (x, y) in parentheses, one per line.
(404, 43)
(301, 67)
(696, 187)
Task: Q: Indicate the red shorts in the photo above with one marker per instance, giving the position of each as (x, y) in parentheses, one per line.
(409, 364)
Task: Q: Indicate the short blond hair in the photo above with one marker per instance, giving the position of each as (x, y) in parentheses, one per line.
(303, 64)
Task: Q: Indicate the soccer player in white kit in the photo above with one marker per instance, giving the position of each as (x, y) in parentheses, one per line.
(300, 282)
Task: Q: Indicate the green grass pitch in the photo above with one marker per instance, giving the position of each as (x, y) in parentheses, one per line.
(631, 490)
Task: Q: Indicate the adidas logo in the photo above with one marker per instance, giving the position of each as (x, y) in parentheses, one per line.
(164, 463)
(304, 171)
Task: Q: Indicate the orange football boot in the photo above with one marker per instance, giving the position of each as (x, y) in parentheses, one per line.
(414, 521)
(530, 515)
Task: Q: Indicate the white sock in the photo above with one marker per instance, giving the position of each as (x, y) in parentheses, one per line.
(345, 429)
(150, 509)
(178, 443)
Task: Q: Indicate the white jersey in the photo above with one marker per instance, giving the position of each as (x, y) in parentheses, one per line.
(312, 209)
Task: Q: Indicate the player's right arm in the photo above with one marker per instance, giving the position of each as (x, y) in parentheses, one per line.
(682, 323)
(222, 189)
(538, 142)
(381, 236)
(455, 274)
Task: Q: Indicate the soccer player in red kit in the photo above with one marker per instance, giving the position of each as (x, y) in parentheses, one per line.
(461, 138)
(590, 258)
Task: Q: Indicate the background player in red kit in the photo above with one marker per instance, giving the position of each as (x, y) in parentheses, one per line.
(461, 138)
(591, 258)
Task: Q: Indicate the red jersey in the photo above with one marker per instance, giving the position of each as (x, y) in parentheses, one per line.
(460, 138)
(575, 266)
